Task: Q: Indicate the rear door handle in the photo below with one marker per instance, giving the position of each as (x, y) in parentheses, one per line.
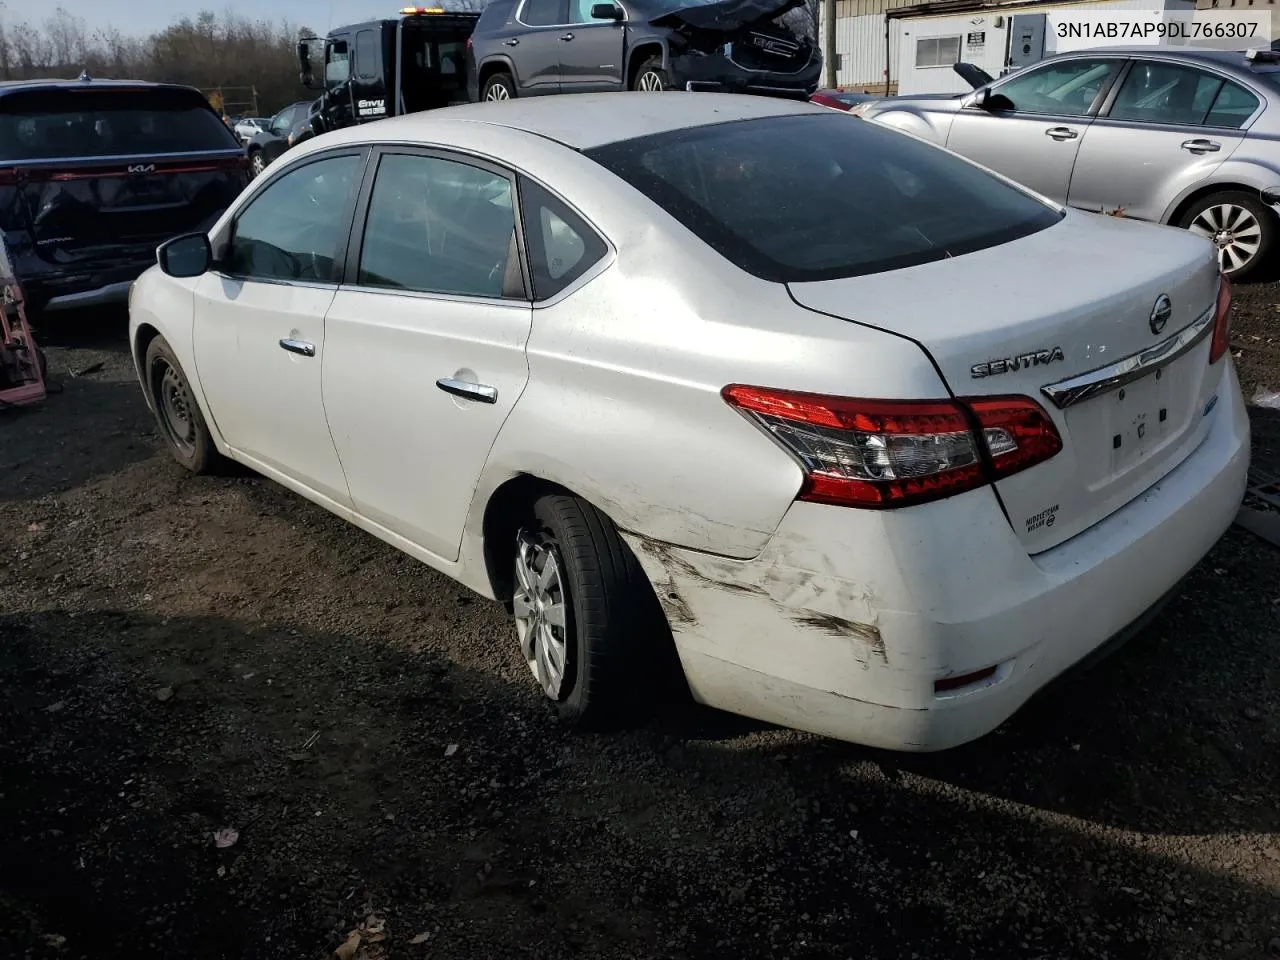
(1061, 133)
(1201, 146)
(513, 42)
(468, 390)
(567, 36)
(300, 347)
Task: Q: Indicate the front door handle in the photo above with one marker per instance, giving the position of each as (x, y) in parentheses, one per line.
(567, 36)
(1201, 146)
(468, 390)
(1061, 133)
(300, 347)
(513, 42)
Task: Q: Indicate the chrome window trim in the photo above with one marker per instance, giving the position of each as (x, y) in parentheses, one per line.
(1084, 386)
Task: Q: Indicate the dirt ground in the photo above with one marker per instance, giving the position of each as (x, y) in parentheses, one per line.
(180, 655)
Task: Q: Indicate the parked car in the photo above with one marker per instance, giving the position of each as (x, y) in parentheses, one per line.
(841, 99)
(286, 128)
(246, 127)
(526, 48)
(883, 459)
(94, 174)
(1172, 135)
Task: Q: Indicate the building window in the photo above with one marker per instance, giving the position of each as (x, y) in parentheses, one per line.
(937, 51)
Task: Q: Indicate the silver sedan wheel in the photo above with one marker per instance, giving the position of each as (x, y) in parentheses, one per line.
(257, 164)
(539, 604)
(650, 82)
(1234, 231)
(497, 91)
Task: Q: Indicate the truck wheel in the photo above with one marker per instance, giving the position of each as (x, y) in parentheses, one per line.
(500, 86)
(650, 78)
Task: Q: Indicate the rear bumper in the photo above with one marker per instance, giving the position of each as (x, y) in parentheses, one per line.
(846, 621)
(78, 286)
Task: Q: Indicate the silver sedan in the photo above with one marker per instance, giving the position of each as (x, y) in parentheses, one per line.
(1186, 137)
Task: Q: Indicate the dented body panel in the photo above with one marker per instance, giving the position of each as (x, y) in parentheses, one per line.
(846, 620)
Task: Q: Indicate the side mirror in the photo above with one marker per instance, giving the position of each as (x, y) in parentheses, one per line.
(606, 11)
(186, 256)
(991, 102)
(1271, 195)
(304, 65)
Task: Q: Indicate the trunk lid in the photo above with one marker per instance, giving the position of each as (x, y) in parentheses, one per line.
(105, 175)
(1063, 302)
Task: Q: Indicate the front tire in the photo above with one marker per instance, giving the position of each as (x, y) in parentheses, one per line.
(499, 87)
(1241, 226)
(178, 416)
(586, 616)
(256, 163)
(650, 77)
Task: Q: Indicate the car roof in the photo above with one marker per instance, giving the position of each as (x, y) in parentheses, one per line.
(15, 86)
(1204, 54)
(585, 120)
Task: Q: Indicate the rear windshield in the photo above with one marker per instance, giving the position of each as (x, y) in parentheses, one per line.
(819, 197)
(66, 125)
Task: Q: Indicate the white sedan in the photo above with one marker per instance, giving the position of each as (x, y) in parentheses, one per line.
(875, 442)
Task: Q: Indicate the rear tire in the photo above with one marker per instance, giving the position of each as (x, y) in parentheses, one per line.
(650, 77)
(256, 163)
(178, 415)
(588, 622)
(1241, 226)
(499, 87)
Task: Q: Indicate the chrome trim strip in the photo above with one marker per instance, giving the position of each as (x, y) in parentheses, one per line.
(1066, 393)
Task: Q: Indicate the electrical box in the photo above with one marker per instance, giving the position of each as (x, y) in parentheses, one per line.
(1026, 39)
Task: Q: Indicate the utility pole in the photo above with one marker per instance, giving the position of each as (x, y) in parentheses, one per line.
(829, 51)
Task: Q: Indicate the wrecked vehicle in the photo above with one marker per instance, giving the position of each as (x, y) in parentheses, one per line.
(528, 48)
(878, 462)
(95, 174)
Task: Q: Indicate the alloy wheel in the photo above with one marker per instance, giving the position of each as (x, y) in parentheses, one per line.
(257, 164)
(497, 91)
(1234, 230)
(540, 605)
(650, 82)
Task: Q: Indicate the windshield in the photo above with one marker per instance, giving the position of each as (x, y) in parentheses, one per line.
(64, 125)
(818, 197)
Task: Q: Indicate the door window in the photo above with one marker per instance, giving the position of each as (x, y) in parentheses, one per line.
(580, 12)
(1165, 93)
(1061, 89)
(336, 64)
(440, 226)
(295, 227)
(367, 54)
(562, 247)
(542, 13)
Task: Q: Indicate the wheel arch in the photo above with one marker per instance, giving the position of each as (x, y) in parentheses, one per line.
(498, 63)
(643, 51)
(141, 341)
(1180, 207)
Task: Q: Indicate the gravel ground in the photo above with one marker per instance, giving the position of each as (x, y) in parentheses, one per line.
(180, 655)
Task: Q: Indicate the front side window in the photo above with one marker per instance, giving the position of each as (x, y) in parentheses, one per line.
(543, 13)
(801, 198)
(293, 229)
(337, 66)
(937, 51)
(440, 226)
(1061, 89)
(580, 12)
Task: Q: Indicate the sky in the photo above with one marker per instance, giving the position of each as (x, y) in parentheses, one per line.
(146, 16)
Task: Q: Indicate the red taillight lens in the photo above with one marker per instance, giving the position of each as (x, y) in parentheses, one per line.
(891, 453)
(1221, 323)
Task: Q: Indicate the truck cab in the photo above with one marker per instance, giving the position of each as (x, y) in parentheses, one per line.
(383, 68)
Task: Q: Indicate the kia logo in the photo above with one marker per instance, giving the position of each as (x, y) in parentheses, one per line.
(142, 168)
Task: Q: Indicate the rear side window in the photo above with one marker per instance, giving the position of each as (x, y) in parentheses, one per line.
(366, 54)
(812, 197)
(562, 247)
(65, 125)
(543, 13)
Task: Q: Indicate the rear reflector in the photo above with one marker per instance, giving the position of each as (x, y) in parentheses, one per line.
(947, 684)
(1221, 323)
(892, 453)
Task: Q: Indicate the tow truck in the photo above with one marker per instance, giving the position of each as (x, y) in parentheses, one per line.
(384, 68)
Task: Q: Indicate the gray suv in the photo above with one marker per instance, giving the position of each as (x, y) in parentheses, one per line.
(1187, 137)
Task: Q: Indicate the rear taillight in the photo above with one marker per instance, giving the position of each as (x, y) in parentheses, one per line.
(892, 453)
(1221, 323)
